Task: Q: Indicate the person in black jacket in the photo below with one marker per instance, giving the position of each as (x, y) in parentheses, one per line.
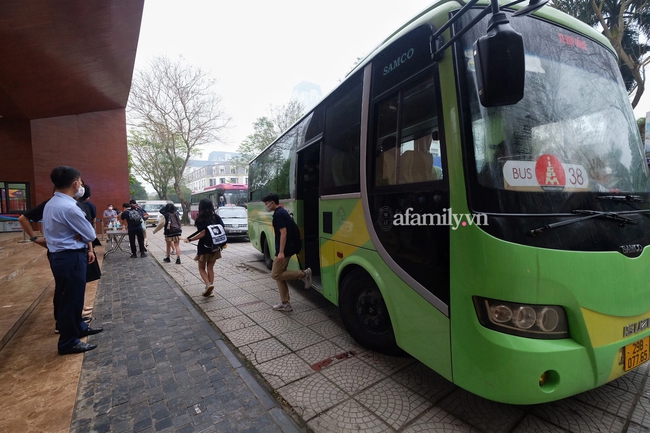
(204, 255)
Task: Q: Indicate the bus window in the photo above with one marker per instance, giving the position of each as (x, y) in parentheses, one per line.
(341, 147)
(418, 122)
(418, 158)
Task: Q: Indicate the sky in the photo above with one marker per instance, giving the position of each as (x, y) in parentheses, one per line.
(259, 50)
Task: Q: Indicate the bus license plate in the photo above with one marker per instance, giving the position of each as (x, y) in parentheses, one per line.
(636, 353)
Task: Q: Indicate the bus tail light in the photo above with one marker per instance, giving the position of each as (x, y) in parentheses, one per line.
(523, 320)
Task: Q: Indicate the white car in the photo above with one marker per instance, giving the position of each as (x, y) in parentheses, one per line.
(235, 221)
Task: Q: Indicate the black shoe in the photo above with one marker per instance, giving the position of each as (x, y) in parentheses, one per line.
(178, 260)
(167, 259)
(90, 331)
(143, 254)
(80, 347)
(133, 256)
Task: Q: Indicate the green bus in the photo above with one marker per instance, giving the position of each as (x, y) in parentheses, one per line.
(475, 194)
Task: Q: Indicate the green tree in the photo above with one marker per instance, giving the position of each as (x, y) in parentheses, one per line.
(266, 129)
(137, 190)
(171, 193)
(625, 23)
(176, 107)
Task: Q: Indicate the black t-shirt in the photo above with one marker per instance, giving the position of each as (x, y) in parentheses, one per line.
(282, 219)
(36, 214)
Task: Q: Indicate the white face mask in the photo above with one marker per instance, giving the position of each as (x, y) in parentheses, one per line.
(268, 207)
(110, 208)
(80, 192)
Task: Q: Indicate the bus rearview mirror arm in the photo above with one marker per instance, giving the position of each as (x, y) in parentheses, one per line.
(501, 50)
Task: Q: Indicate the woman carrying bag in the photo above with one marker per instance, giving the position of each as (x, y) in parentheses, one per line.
(206, 254)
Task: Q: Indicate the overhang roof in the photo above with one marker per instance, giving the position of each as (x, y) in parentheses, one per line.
(63, 57)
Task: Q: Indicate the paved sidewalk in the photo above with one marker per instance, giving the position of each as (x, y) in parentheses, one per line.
(159, 366)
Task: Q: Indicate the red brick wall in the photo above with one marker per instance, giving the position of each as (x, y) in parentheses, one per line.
(94, 143)
(16, 164)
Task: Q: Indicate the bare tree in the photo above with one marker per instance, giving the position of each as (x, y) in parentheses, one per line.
(150, 162)
(176, 106)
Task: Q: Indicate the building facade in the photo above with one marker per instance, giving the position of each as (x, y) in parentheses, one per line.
(221, 167)
(65, 78)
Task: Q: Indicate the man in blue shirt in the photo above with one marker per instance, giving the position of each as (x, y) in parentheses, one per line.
(67, 232)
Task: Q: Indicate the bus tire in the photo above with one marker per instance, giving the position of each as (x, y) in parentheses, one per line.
(268, 260)
(365, 316)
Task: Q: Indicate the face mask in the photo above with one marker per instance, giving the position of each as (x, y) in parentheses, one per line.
(268, 207)
(110, 208)
(80, 192)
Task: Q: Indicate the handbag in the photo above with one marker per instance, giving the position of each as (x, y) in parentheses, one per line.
(93, 271)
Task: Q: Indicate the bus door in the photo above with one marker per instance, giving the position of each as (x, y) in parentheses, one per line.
(308, 181)
(408, 192)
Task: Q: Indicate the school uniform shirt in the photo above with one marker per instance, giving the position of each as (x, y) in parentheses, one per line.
(62, 221)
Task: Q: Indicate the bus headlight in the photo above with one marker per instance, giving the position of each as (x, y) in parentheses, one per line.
(524, 320)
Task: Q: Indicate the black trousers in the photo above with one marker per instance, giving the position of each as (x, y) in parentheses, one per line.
(69, 269)
(139, 233)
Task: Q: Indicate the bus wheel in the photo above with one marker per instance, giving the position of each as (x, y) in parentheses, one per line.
(365, 315)
(268, 260)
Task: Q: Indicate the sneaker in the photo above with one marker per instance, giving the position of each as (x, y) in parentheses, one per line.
(178, 260)
(133, 256)
(307, 278)
(282, 306)
(143, 254)
(208, 290)
(167, 259)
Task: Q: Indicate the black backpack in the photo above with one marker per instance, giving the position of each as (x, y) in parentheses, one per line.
(134, 216)
(174, 224)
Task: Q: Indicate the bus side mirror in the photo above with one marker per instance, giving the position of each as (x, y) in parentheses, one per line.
(500, 64)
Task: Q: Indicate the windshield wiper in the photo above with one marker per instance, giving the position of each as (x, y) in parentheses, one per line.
(628, 197)
(616, 216)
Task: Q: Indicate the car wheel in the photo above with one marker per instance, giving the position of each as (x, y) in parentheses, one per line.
(268, 260)
(364, 314)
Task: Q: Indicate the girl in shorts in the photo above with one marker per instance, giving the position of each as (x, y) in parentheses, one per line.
(172, 235)
(204, 256)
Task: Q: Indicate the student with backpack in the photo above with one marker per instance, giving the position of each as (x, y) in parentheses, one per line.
(133, 219)
(287, 243)
(173, 230)
(208, 250)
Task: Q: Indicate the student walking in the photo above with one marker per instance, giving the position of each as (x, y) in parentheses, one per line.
(282, 223)
(204, 254)
(171, 223)
(133, 219)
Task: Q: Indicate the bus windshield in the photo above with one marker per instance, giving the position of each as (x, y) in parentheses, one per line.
(573, 132)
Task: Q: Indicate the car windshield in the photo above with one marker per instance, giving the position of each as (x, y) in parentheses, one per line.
(232, 213)
(573, 132)
(152, 207)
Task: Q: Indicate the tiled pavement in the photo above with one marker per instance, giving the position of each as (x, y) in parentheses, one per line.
(161, 367)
